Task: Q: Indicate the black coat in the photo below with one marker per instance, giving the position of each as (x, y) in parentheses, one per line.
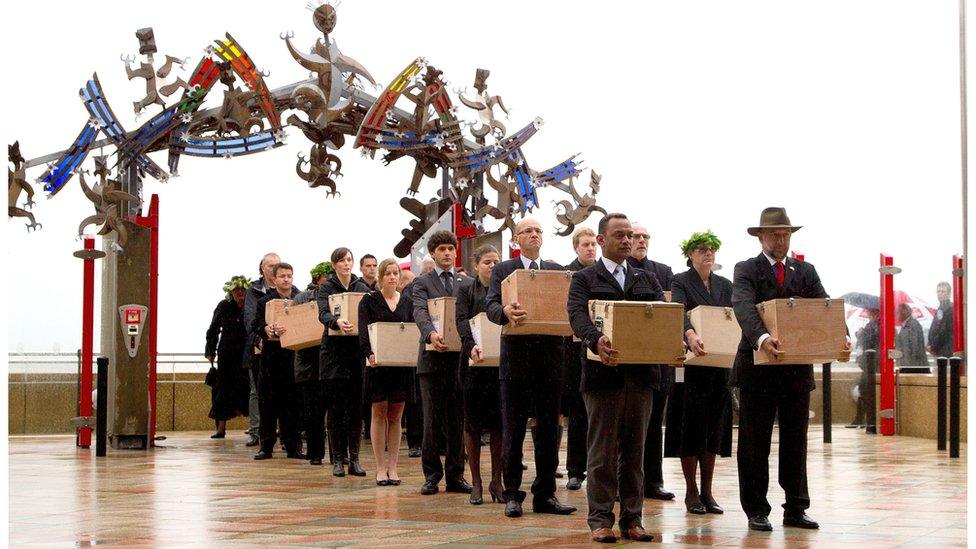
(251, 298)
(340, 354)
(272, 353)
(226, 334)
(573, 352)
(470, 301)
(755, 282)
(911, 343)
(517, 353)
(664, 276)
(429, 286)
(688, 289)
(307, 360)
(595, 282)
(940, 332)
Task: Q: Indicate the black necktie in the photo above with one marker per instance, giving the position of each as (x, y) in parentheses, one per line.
(534, 266)
(448, 282)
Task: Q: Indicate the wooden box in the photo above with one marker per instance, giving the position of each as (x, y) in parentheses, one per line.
(346, 307)
(302, 326)
(488, 336)
(810, 331)
(543, 295)
(394, 343)
(642, 332)
(442, 314)
(719, 331)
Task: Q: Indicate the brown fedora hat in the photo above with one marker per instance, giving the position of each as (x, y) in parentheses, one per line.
(773, 218)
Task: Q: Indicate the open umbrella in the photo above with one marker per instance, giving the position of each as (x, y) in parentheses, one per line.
(861, 300)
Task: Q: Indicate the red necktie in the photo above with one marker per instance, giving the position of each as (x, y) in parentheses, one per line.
(780, 272)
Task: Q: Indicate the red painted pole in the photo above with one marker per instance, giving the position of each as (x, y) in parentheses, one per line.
(798, 256)
(958, 307)
(887, 344)
(83, 438)
(151, 221)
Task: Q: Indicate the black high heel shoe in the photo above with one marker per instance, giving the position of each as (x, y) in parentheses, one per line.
(695, 507)
(712, 507)
(475, 498)
(496, 493)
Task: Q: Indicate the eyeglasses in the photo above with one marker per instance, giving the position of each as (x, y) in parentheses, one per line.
(704, 249)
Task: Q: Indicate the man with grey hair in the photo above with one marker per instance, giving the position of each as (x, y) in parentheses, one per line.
(254, 294)
(940, 332)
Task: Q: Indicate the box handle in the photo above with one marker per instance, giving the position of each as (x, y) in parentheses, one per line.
(728, 313)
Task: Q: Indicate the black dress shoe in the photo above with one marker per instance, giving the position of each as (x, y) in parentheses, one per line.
(262, 455)
(458, 485)
(315, 461)
(552, 506)
(429, 488)
(575, 483)
(712, 507)
(760, 523)
(383, 482)
(801, 521)
(513, 509)
(218, 434)
(658, 493)
(355, 469)
(338, 470)
(414, 452)
(296, 455)
(695, 507)
(252, 441)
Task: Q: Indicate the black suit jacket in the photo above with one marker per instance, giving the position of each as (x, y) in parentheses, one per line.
(428, 286)
(518, 353)
(755, 282)
(664, 277)
(595, 282)
(687, 288)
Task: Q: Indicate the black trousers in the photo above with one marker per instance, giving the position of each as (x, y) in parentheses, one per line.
(345, 417)
(757, 410)
(313, 399)
(519, 397)
(277, 396)
(413, 417)
(576, 438)
(653, 445)
(443, 411)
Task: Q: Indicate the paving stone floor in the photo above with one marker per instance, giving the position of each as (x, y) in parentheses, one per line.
(867, 491)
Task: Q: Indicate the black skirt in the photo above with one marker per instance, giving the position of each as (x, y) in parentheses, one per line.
(393, 384)
(699, 416)
(229, 397)
(482, 408)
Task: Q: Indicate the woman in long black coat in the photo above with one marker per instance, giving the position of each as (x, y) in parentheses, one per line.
(482, 411)
(341, 369)
(699, 423)
(225, 343)
(387, 389)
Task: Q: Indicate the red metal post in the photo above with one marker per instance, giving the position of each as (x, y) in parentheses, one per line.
(798, 256)
(461, 230)
(887, 344)
(151, 222)
(958, 318)
(83, 438)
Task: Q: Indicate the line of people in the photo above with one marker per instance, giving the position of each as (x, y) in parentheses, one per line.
(615, 414)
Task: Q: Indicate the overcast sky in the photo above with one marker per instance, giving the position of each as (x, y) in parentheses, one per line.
(697, 115)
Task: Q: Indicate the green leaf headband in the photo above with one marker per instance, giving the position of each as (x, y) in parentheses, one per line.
(324, 268)
(239, 281)
(706, 238)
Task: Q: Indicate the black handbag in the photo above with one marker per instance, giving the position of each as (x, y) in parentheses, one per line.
(211, 377)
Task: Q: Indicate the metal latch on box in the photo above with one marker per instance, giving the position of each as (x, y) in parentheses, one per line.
(648, 310)
(728, 313)
(402, 327)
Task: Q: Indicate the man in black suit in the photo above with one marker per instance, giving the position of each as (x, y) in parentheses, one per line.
(440, 385)
(618, 398)
(571, 402)
(653, 446)
(529, 376)
(941, 336)
(771, 391)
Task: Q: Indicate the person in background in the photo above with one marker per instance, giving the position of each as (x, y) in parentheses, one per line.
(940, 332)
(481, 411)
(225, 342)
(413, 412)
(276, 373)
(341, 369)
(699, 422)
(571, 403)
(909, 339)
(367, 266)
(868, 339)
(307, 376)
(387, 388)
(254, 294)
(653, 446)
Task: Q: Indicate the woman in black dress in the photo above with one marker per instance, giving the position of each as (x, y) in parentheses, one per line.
(225, 342)
(481, 401)
(700, 420)
(387, 388)
(341, 369)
